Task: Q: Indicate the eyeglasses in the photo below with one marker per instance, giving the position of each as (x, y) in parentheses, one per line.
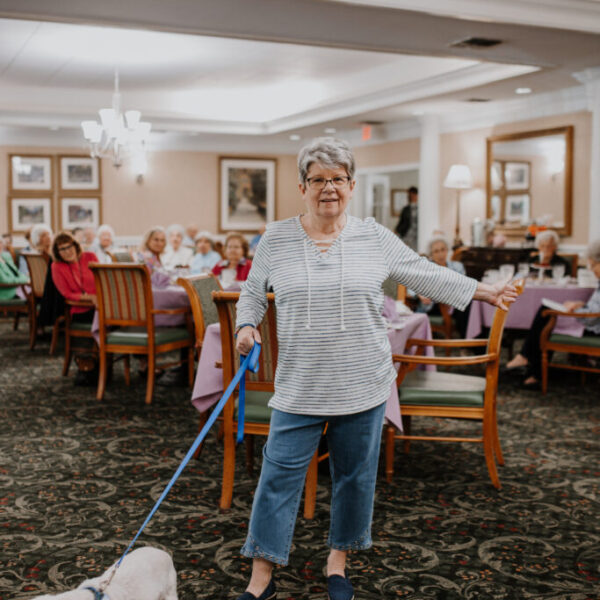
(65, 248)
(319, 183)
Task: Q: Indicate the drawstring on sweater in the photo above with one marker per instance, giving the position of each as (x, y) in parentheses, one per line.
(309, 289)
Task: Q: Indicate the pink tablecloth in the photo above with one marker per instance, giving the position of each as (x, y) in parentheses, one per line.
(168, 297)
(527, 304)
(208, 385)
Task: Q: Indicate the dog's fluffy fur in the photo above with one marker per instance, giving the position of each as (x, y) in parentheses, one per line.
(145, 574)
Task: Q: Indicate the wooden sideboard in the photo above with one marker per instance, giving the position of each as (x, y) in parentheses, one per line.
(478, 259)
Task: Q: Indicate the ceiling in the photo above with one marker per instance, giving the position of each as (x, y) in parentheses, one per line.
(238, 74)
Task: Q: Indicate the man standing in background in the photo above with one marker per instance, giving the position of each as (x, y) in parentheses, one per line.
(408, 225)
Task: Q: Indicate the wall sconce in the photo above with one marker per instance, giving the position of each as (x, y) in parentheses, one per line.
(458, 178)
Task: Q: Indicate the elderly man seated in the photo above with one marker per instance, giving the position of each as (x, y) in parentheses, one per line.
(546, 243)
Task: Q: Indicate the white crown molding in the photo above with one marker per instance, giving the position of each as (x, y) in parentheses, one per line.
(577, 15)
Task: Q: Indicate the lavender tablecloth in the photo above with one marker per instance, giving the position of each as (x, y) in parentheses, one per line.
(172, 296)
(208, 385)
(523, 311)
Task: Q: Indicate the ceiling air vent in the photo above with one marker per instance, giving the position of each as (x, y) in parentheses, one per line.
(475, 42)
(478, 99)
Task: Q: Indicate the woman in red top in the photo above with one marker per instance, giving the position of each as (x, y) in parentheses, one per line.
(236, 263)
(72, 276)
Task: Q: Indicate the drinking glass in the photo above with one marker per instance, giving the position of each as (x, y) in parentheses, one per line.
(558, 272)
(507, 271)
(523, 269)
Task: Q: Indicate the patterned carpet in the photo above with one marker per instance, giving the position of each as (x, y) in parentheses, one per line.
(79, 476)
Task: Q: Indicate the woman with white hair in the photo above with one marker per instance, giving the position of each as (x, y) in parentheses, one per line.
(531, 355)
(326, 269)
(152, 246)
(103, 244)
(41, 239)
(176, 254)
(206, 256)
(546, 243)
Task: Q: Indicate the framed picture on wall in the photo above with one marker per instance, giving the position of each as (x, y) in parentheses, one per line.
(398, 200)
(79, 212)
(247, 193)
(24, 213)
(30, 172)
(517, 208)
(516, 175)
(79, 173)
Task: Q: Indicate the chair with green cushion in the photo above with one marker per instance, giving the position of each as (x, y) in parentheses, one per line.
(443, 394)
(259, 389)
(587, 346)
(126, 316)
(13, 306)
(121, 256)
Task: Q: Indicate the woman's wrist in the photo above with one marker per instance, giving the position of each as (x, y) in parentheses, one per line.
(240, 327)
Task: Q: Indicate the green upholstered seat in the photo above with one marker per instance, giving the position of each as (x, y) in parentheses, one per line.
(137, 336)
(592, 341)
(13, 302)
(432, 388)
(80, 326)
(436, 320)
(256, 410)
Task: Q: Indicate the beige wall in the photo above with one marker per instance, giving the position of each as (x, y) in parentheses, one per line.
(183, 186)
(180, 187)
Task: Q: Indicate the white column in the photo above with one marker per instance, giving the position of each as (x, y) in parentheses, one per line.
(429, 179)
(591, 79)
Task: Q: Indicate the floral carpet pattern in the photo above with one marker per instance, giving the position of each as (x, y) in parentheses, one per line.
(78, 477)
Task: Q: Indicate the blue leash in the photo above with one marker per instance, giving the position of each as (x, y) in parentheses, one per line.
(250, 363)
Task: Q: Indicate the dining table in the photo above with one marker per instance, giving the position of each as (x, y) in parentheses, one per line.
(208, 383)
(525, 307)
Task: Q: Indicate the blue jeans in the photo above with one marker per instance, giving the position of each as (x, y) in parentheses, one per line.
(353, 442)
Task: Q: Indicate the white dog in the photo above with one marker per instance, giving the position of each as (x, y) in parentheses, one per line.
(145, 574)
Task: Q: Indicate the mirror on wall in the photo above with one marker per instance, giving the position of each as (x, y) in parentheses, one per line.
(529, 179)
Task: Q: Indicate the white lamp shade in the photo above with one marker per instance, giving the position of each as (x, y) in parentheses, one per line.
(459, 178)
(133, 118)
(92, 131)
(108, 117)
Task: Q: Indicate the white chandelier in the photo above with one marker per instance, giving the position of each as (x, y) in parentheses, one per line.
(118, 135)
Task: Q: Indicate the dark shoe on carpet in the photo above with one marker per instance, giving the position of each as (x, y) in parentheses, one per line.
(339, 588)
(269, 593)
(86, 378)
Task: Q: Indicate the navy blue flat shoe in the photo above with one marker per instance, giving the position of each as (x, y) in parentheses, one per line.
(269, 594)
(339, 588)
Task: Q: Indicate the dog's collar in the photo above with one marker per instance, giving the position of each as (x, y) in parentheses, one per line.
(98, 595)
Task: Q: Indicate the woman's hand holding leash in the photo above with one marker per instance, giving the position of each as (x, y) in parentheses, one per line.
(246, 337)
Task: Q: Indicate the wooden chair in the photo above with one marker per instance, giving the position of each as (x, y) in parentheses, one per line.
(394, 290)
(259, 389)
(125, 301)
(14, 306)
(587, 346)
(121, 256)
(450, 395)
(77, 331)
(37, 264)
(573, 262)
(442, 323)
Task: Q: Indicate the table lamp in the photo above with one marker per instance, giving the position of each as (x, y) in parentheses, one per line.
(458, 178)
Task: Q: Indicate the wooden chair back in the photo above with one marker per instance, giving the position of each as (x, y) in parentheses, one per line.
(121, 256)
(394, 290)
(573, 262)
(37, 264)
(199, 289)
(264, 380)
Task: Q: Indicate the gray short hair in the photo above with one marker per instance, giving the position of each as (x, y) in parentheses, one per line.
(435, 239)
(36, 233)
(175, 228)
(546, 236)
(593, 251)
(327, 151)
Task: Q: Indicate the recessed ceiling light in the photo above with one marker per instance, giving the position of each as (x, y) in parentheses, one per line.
(294, 137)
(330, 130)
(523, 90)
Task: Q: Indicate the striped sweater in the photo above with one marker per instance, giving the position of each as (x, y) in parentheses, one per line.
(334, 353)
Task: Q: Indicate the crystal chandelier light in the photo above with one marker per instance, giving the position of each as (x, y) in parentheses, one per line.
(118, 135)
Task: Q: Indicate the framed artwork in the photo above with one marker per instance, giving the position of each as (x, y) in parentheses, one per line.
(398, 200)
(30, 172)
(24, 213)
(247, 193)
(79, 173)
(517, 208)
(516, 175)
(79, 212)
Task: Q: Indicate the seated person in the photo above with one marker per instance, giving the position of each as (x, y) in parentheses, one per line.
(103, 244)
(152, 246)
(28, 248)
(236, 264)
(72, 276)
(206, 257)
(546, 243)
(254, 241)
(41, 240)
(530, 355)
(9, 274)
(176, 254)
(437, 251)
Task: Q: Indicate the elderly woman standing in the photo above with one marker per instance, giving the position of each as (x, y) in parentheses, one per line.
(326, 269)
(546, 243)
